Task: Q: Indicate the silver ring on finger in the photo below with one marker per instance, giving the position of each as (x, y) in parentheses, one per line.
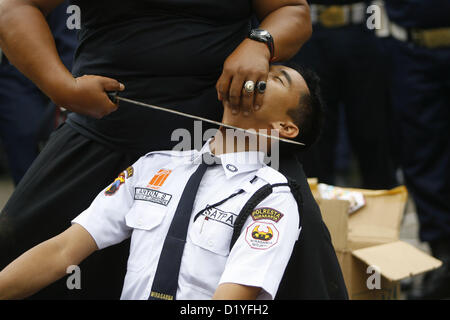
(261, 86)
(249, 86)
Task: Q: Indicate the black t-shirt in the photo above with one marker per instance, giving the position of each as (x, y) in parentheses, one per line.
(166, 52)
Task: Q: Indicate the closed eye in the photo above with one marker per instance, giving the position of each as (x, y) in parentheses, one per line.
(278, 78)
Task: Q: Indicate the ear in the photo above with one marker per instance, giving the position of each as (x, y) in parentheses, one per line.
(287, 129)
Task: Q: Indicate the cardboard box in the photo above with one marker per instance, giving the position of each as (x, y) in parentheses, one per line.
(372, 258)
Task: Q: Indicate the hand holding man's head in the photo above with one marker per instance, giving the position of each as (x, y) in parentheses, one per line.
(292, 105)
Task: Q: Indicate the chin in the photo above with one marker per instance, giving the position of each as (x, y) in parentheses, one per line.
(247, 123)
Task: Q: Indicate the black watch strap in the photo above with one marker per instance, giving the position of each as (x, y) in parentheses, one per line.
(264, 36)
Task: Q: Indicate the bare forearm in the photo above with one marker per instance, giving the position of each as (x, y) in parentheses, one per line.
(233, 291)
(27, 41)
(32, 271)
(290, 27)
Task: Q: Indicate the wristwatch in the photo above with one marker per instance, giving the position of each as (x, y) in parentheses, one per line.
(263, 36)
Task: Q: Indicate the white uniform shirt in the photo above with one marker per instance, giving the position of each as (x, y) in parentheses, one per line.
(142, 201)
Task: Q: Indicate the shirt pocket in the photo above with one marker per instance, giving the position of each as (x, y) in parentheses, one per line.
(145, 216)
(212, 235)
(146, 220)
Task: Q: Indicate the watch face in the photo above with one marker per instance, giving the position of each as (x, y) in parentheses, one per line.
(260, 34)
(264, 33)
(263, 36)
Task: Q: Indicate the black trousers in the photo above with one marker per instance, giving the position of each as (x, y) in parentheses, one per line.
(61, 183)
(421, 101)
(69, 174)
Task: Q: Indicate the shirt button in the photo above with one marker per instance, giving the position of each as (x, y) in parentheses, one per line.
(139, 222)
(210, 243)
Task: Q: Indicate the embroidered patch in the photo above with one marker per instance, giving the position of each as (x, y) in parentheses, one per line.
(130, 172)
(267, 214)
(115, 186)
(154, 196)
(261, 235)
(218, 215)
(161, 296)
(159, 178)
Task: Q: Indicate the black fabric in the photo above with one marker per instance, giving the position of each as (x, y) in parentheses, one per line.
(419, 13)
(343, 57)
(313, 272)
(166, 52)
(333, 2)
(165, 283)
(62, 182)
(420, 76)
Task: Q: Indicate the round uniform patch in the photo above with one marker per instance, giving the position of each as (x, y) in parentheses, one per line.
(261, 235)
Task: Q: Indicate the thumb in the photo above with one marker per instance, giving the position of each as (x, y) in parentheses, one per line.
(111, 84)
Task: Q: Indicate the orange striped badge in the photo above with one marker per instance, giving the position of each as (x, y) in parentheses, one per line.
(159, 179)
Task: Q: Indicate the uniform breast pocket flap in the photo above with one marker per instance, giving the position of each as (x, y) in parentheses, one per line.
(145, 216)
(212, 235)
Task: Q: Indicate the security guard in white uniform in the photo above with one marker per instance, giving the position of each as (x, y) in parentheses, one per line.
(143, 200)
(201, 228)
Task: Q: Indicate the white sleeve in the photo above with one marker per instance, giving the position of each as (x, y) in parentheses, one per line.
(105, 218)
(262, 251)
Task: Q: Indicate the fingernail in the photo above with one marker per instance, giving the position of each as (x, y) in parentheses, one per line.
(246, 113)
(257, 107)
(121, 86)
(234, 111)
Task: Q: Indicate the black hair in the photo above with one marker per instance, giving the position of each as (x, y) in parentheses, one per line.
(309, 113)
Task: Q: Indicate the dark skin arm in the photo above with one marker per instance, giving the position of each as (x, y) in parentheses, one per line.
(27, 41)
(288, 21)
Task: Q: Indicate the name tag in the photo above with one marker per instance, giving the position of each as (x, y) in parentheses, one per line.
(145, 194)
(220, 216)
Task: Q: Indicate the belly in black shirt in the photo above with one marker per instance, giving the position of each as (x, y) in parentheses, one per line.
(166, 52)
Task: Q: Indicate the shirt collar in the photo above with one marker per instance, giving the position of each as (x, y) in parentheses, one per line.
(237, 162)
